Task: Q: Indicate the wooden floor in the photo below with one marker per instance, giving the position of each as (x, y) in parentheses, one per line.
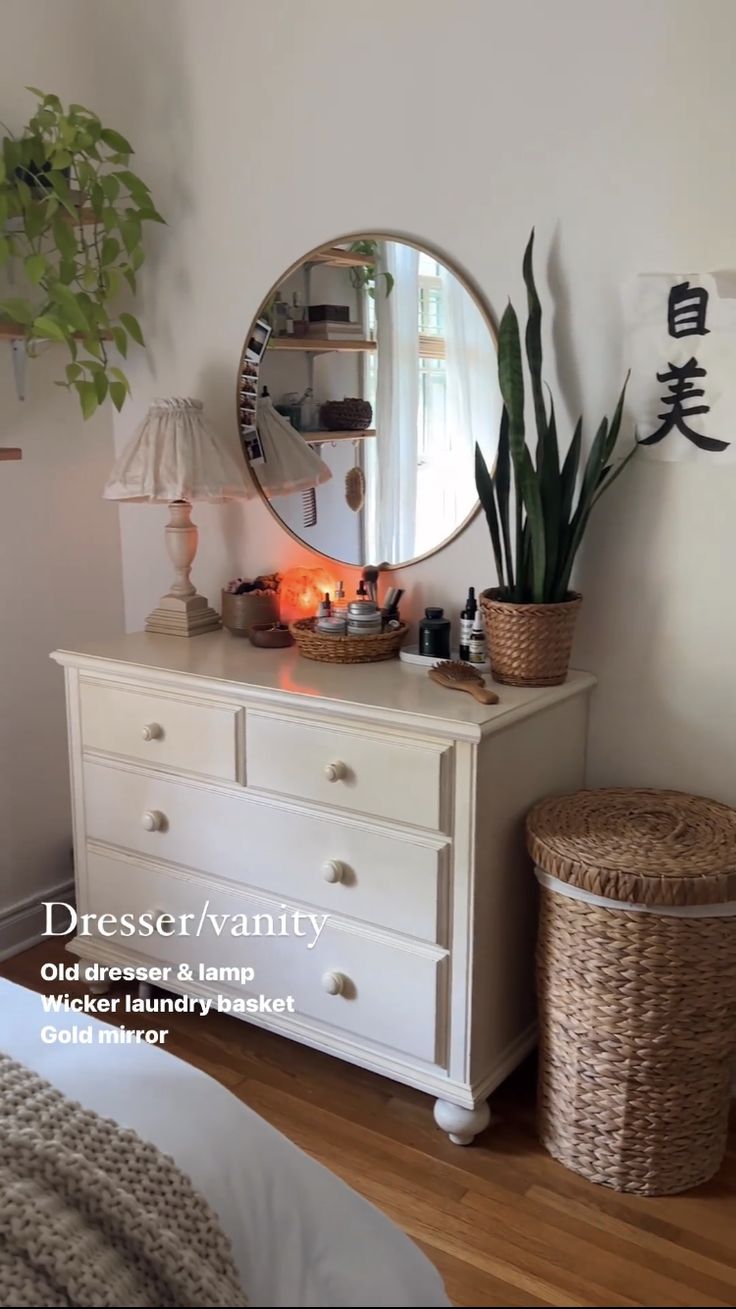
(504, 1223)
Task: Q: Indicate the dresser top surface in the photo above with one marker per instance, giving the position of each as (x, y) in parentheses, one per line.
(221, 663)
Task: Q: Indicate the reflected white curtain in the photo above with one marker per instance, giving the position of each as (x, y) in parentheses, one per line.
(391, 462)
(473, 398)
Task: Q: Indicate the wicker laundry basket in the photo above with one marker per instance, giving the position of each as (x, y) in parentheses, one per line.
(636, 977)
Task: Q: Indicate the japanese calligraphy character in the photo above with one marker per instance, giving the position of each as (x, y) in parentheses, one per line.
(681, 390)
(686, 310)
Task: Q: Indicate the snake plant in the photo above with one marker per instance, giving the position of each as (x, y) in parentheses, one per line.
(535, 544)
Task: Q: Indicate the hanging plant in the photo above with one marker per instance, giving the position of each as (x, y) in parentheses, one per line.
(364, 276)
(71, 219)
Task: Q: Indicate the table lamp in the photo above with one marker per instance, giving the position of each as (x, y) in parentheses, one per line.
(174, 459)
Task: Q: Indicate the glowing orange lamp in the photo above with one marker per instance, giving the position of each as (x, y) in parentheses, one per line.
(301, 590)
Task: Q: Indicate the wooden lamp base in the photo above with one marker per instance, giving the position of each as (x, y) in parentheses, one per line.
(182, 612)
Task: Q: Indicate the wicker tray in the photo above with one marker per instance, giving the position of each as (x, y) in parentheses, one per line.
(346, 649)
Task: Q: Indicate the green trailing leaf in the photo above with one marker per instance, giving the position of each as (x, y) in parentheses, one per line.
(110, 250)
(132, 327)
(35, 266)
(115, 141)
(137, 189)
(484, 487)
(130, 230)
(64, 237)
(120, 337)
(110, 187)
(99, 381)
(76, 255)
(69, 306)
(87, 397)
(118, 394)
(49, 329)
(20, 311)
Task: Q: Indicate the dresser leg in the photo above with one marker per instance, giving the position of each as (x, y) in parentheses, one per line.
(98, 988)
(461, 1125)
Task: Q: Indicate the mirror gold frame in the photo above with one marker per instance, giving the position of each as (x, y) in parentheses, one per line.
(484, 308)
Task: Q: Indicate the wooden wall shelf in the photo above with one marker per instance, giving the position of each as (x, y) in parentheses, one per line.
(325, 435)
(8, 452)
(338, 258)
(317, 345)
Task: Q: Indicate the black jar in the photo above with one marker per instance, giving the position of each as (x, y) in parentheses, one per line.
(434, 634)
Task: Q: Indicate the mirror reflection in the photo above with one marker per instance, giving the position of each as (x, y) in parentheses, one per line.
(366, 379)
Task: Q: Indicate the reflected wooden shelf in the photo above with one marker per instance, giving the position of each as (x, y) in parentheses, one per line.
(338, 258)
(10, 452)
(325, 435)
(317, 344)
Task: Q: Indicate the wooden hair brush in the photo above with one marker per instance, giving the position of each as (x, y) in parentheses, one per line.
(457, 676)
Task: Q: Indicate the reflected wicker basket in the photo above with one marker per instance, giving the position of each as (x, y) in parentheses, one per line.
(349, 415)
(346, 649)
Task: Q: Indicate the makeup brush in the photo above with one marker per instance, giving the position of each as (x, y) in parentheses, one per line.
(370, 577)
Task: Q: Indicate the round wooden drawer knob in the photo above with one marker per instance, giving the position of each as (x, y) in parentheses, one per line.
(335, 772)
(153, 820)
(151, 731)
(333, 870)
(333, 983)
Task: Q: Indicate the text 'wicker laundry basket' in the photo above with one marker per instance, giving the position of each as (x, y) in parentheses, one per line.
(636, 977)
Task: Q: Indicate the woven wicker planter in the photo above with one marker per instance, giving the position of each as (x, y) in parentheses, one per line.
(636, 975)
(529, 645)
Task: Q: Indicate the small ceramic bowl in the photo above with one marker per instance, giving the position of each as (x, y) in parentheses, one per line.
(270, 637)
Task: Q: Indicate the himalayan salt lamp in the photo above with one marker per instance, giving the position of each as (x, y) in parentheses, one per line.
(301, 591)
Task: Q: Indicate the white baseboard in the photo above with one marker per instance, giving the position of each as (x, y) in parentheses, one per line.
(21, 925)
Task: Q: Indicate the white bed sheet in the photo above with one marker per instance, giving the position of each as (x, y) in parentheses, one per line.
(300, 1236)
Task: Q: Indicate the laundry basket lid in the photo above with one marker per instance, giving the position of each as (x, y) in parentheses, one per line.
(645, 847)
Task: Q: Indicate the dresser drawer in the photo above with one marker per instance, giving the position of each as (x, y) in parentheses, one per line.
(161, 730)
(347, 769)
(375, 990)
(338, 866)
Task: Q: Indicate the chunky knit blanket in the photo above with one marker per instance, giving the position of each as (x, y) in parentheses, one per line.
(92, 1215)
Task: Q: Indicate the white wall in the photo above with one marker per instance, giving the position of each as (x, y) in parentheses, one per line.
(60, 574)
(268, 128)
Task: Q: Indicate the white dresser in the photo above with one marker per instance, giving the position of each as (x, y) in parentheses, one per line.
(205, 771)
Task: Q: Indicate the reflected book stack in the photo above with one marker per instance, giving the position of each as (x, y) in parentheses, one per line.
(332, 323)
(330, 330)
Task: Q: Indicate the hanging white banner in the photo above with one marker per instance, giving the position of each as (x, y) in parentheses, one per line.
(681, 346)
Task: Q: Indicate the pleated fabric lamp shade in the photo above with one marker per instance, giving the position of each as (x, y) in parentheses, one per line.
(174, 458)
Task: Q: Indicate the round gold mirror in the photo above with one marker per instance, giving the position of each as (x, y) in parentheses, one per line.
(366, 379)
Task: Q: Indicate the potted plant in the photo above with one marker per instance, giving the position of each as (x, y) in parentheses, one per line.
(364, 276)
(530, 616)
(71, 221)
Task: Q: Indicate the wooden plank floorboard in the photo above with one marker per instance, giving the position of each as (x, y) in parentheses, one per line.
(504, 1223)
